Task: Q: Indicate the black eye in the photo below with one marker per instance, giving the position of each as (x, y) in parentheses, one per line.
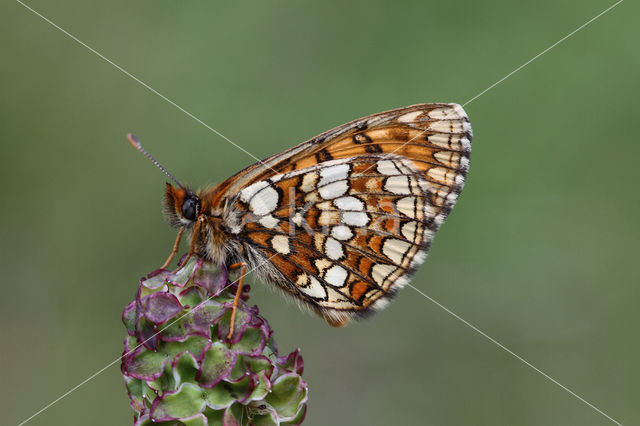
(190, 208)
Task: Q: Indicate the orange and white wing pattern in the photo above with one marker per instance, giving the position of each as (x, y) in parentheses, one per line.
(343, 220)
(435, 137)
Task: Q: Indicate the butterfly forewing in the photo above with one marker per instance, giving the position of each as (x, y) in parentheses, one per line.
(436, 137)
(343, 219)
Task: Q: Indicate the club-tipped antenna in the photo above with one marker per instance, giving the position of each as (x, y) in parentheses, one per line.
(136, 144)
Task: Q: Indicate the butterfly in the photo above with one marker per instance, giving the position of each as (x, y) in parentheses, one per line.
(339, 222)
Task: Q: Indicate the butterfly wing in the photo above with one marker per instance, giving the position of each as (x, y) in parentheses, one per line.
(436, 137)
(342, 220)
(344, 234)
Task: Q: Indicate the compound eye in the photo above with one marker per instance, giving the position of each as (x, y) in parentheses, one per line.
(189, 208)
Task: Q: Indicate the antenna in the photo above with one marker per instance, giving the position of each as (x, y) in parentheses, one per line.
(136, 144)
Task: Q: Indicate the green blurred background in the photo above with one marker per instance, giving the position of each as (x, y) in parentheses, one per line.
(541, 251)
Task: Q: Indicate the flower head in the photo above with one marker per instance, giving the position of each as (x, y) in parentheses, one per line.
(180, 368)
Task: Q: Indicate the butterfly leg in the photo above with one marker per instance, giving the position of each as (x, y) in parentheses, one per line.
(236, 300)
(194, 238)
(174, 250)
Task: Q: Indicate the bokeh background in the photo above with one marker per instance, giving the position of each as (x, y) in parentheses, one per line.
(541, 251)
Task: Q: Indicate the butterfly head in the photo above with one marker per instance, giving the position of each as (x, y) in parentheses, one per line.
(181, 206)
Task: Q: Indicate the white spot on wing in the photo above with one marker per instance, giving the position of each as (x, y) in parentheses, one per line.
(333, 249)
(395, 249)
(441, 126)
(334, 189)
(336, 275)
(268, 221)
(341, 232)
(280, 244)
(448, 158)
(398, 185)
(407, 206)
(264, 201)
(408, 231)
(349, 203)
(333, 173)
(314, 289)
(387, 167)
(441, 175)
(409, 117)
(249, 191)
(355, 218)
(380, 271)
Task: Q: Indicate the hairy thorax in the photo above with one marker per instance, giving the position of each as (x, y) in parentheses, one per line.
(219, 225)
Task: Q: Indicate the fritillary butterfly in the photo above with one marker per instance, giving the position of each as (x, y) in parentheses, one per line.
(341, 221)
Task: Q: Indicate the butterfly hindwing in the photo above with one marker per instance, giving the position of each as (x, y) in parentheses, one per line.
(341, 221)
(344, 234)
